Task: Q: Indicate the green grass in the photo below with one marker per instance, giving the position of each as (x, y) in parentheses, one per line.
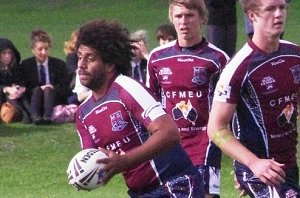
(61, 17)
(33, 159)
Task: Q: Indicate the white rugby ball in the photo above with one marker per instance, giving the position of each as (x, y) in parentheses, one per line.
(82, 169)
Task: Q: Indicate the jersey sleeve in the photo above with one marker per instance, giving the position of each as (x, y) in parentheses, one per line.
(233, 76)
(139, 101)
(229, 84)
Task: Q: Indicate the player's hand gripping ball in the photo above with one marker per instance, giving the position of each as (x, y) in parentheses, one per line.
(82, 169)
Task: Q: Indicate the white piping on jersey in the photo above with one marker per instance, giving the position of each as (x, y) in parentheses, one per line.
(271, 191)
(92, 110)
(262, 130)
(288, 42)
(186, 55)
(234, 63)
(219, 50)
(81, 142)
(138, 92)
(230, 69)
(152, 163)
(269, 60)
(190, 187)
(172, 43)
(207, 151)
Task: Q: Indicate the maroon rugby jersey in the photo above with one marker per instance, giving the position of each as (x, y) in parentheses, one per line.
(265, 89)
(118, 121)
(184, 79)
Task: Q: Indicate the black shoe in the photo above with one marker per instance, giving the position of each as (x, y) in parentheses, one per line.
(37, 120)
(47, 120)
(26, 119)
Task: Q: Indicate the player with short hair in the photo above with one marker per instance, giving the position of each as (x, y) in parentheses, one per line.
(166, 33)
(183, 73)
(258, 93)
(126, 122)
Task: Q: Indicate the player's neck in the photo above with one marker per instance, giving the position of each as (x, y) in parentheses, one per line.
(268, 45)
(189, 43)
(102, 91)
(99, 93)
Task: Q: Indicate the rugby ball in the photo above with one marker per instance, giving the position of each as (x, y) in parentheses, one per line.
(82, 169)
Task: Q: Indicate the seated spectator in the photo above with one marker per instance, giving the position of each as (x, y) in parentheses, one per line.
(165, 33)
(45, 77)
(71, 58)
(139, 63)
(79, 92)
(11, 89)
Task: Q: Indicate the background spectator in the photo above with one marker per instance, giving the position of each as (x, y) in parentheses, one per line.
(138, 70)
(165, 33)
(79, 92)
(222, 24)
(11, 88)
(71, 57)
(45, 77)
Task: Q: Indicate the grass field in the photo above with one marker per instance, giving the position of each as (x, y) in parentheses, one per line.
(33, 159)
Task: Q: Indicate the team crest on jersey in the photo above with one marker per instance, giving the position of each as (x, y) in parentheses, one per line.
(199, 77)
(268, 83)
(186, 111)
(165, 72)
(288, 116)
(291, 194)
(117, 121)
(296, 73)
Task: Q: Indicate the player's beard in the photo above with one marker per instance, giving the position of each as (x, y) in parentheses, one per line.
(97, 80)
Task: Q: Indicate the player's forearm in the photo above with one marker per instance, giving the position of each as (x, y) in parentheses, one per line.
(229, 145)
(164, 136)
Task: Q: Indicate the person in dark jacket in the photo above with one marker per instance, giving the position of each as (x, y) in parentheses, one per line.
(222, 24)
(71, 58)
(11, 89)
(46, 78)
(79, 92)
(138, 70)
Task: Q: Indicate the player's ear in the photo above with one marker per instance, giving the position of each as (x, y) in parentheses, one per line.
(110, 67)
(170, 14)
(251, 16)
